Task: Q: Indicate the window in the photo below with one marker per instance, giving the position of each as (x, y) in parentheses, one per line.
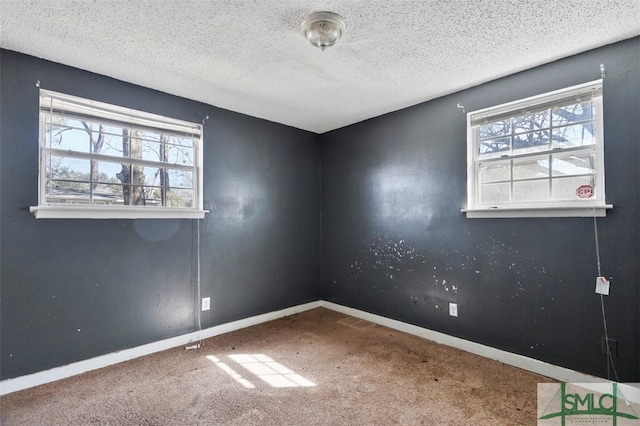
(104, 161)
(538, 157)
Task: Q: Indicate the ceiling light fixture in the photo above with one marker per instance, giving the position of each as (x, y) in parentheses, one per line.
(323, 29)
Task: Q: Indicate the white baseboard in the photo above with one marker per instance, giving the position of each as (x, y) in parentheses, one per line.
(520, 361)
(58, 373)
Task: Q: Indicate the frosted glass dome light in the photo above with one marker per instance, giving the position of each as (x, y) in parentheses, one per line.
(323, 29)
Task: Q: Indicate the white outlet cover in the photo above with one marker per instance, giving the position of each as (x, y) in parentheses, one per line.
(453, 309)
(206, 303)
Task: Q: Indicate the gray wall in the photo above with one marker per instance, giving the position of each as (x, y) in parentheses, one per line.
(396, 244)
(75, 289)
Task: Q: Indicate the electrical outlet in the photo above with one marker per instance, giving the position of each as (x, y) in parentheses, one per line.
(613, 347)
(206, 303)
(453, 309)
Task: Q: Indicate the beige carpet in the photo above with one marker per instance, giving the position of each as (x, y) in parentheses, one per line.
(315, 368)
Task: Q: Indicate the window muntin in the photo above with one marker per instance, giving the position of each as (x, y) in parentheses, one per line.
(100, 156)
(535, 153)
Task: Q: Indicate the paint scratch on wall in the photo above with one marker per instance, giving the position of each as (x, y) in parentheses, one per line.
(386, 256)
(388, 263)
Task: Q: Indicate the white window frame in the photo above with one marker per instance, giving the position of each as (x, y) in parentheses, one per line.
(76, 107)
(595, 206)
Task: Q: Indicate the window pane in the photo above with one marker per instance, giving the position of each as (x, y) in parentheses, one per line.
(576, 135)
(150, 175)
(171, 178)
(63, 137)
(112, 130)
(68, 168)
(531, 190)
(113, 141)
(565, 188)
(180, 198)
(65, 192)
(132, 143)
(151, 136)
(493, 172)
(107, 172)
(135, 196)
(531, 142)
(154, 177)
(495, 129)
(527, 169)
(183, 141)
(531, 122)
(494, 193)
(495, 147)
(180, 178)
(123, 174)
(573, 165)
(151, 151)
(153, 196)
(88, 126)
(580, 111)
(62, 122)
(179, 155)
(108, 194)
(112, 146)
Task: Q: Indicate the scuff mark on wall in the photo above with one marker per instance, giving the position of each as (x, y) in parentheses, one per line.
(387, 256)
(388, 263)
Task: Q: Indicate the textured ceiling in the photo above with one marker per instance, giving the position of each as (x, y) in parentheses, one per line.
(250, 56)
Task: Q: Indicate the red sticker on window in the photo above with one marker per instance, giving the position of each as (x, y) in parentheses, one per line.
(585, 191)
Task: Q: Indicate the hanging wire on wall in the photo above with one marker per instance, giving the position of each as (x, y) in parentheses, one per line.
(198, 275)
(198, 287)
(610, 362)
(203, 118)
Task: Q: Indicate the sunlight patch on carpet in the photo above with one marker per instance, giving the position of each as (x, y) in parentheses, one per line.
(270, 371)
(231, 372)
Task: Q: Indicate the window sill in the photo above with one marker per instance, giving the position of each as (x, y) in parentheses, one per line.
(556, 211)
(95, 212)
